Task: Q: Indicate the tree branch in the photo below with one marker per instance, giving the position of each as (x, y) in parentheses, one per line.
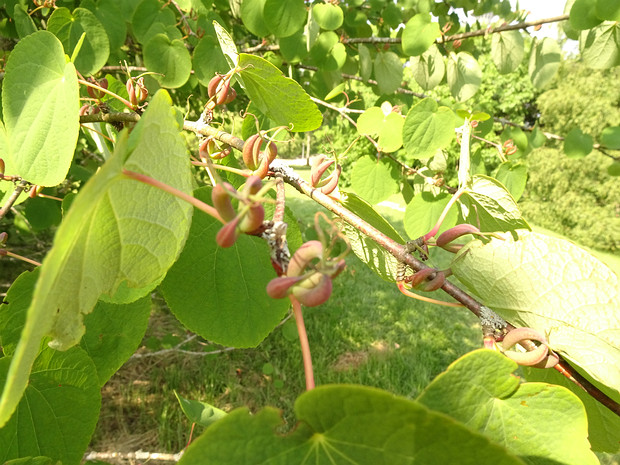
(13, 198)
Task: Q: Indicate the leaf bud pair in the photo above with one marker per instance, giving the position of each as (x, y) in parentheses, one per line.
(220, 90)
(97, 93)
(427, 279)
(137, 91)
(540, 357)
(454, 233)
(256, 160)
(214, 149)
(320, 164)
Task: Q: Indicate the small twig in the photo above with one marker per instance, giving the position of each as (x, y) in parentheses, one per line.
(139, 455)
(13, 198)
(19, 257)
(110, 118)
(303, 340)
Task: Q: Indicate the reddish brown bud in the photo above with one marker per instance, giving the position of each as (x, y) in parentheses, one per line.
(2, 167)
(454, 233)
(303, 256)
(314, 290)
(220, 196)
(228, 234)
(3, 237)
(253, 219)
(279, 288)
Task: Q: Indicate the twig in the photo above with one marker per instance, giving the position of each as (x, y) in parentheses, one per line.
(138, 455)
(116, 117)
(13, 198)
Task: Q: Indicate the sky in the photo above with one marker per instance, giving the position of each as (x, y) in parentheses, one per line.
(546, 9)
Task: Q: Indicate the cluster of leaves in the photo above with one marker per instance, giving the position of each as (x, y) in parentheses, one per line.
(66, 328)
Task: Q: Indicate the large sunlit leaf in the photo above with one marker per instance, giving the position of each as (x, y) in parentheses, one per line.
(69, 26)
(168, 58)
(429, 68)
(220, 293)
(419, 34)
(387, 124)
(490, 206)
(480, 391)
(328, 16)
(280, 98)
(345, 424)
(428, 127)
(117, 230)
(464, 76)
(40, 102)
(555, 287)
(507, 51)
(375, 180)
(545, 60)
(600, 47)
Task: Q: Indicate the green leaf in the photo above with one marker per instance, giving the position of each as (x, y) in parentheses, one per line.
(252, 17)
(610, 137)
(388, 72)
(514, 177)
(583, 15)
(114, 232)
(365, 211)
(544, 62)
(551, 285)
(108, 13)
(23, 22)
(520, 139)
(284, 17)
(419, 34)
(365, 62)
(614, 169)
(429, 68)
(494, 403)
(389, 127)
(536, 138)
(489, 205)
(424, 210)
(293, 48)
(608, 10)
(577, 144)
(69, 27)
(113, 333)
(328, 16)
(345, 424)
(32, 461)
(146, 15)
(199, 412)
(170, 58)
(428, 127)
(280, 98)
(220, 293)
(603, 424)
(42, 213)
(42, 133)
(600, 47)
(507, 51)
(208, 59)
(327, 52)
(59, 411)
(229, 49)
(464, 76)
(375, 180)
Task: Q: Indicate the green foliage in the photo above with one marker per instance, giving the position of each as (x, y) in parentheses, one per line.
(576, 198)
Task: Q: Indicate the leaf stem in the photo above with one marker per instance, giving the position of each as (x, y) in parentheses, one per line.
(125, 102)
(13, 198)
(303, 340)
(208, 209)
(19, 257)
(405, 291)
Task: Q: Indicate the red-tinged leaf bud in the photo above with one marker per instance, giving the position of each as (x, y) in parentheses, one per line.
(457, 43)
(3, 237)
(262, 170)
(213, 84)
(2, 167)
(280, 287)
(420, 276)
(521, 334)
(271, 152)
(548, 362)
(230, 96)
(318, 168)
(314, 290)
(454, 233)
(434, 284)
(530, 358)
(222, 202)
(252, 186)
(332, 181)
(253, 219)
(339, 268)
(223, 89)
(228, 234)
(303, 256)
(85, 109)
(3, 252)
(131, 91)
(251, 149)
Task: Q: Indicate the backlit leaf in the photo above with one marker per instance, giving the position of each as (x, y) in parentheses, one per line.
(544, 62)
(494, 403)
(514, 177)
(608, 10)
(464, 76)
(375, 180)
(551, 285)
(419, 34)
(583, 14)
(328, 16)
(284, 17)
(600, 46)
(507, 51)
(388, 72)
(200, 413)
(169, 58)
(429, 68)
(114, 232)
(41, 133)
(428, 127)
